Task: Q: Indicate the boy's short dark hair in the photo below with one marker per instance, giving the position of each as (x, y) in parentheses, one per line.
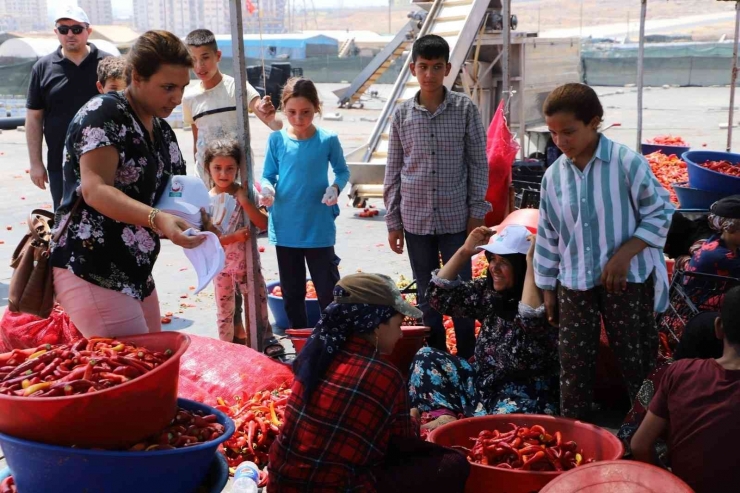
(201, 37)
(430, 47)
(578, 99)
(730, 315)
(111, 67)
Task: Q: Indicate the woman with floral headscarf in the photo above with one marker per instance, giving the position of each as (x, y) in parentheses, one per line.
(347, 422)
(720, 253)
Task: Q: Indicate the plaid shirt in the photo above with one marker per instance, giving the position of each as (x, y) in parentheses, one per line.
(437, 172)
(330, 443)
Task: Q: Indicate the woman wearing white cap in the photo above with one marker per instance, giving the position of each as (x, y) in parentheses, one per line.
(516, 354)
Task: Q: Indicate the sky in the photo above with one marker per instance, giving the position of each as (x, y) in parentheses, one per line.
(124, 8)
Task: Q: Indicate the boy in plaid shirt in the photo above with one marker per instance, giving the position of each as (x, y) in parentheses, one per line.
(435, 180)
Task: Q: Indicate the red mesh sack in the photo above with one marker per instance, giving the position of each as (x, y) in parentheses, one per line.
(21, 330)
(501, 149)
(212, 368)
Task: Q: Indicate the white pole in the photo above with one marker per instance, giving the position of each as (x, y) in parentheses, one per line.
(505, 65)
(640, 72)
(256, 326)
(733, 78)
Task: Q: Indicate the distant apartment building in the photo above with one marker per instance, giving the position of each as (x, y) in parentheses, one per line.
(24, 15)
(100, 12)
(177, 16)
(182, 16)
(216, 16)
(272, 19)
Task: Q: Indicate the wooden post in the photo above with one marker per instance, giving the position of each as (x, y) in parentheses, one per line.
(256, 324)
(733, 77)
(505, 65)
(640, 73)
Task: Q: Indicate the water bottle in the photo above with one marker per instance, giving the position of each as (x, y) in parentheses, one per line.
(246, 478)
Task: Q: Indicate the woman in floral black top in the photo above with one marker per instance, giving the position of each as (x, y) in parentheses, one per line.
(516, 355)
(119, 155)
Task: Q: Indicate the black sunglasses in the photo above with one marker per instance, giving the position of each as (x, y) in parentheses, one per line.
(76, 29)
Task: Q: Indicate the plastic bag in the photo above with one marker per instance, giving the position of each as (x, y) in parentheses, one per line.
(501, 149)
(21, 330)
(212, 368)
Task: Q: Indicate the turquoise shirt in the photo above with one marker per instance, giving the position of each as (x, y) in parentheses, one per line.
(298, 170)
(585, 216)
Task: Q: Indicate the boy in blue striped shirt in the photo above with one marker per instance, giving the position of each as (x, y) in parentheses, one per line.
(603, 222)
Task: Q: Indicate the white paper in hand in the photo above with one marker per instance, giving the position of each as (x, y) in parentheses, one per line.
(208, 258)
(223, 206)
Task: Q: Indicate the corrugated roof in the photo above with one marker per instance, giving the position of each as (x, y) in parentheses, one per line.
(118, 35)
(38, 47)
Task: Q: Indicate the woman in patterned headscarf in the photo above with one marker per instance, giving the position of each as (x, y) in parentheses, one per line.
(347, 422)
(720, 253)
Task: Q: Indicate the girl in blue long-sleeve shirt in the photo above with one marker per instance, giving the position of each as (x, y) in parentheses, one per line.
(295, 184)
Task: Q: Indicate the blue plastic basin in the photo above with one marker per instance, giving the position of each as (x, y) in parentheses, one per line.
(275, 304)
(706, 179)
(36, 466)
(694, 198)
(215, 482)
(667, 150)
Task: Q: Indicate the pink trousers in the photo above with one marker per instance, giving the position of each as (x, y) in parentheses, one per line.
(97, 311)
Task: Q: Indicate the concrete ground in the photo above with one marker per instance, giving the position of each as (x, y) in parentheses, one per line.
(694, 113)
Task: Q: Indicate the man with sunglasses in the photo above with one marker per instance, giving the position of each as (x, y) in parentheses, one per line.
(61, 83)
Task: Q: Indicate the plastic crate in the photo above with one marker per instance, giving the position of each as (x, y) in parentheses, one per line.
(690, 294)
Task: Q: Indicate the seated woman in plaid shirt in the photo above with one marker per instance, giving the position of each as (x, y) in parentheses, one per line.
(347, 422)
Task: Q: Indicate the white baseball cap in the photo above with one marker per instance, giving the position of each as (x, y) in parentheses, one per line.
(185, 194)
(72, 12)
(513, 239)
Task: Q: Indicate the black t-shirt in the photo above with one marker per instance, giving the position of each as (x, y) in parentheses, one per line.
(60, 88)
(102, 251)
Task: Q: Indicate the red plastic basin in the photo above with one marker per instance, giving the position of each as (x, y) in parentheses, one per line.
(617, 477)
(117, 417)
(403, 353)
(597, 443)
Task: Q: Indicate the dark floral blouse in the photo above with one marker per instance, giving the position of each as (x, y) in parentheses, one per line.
(519, 353)
(108, 253)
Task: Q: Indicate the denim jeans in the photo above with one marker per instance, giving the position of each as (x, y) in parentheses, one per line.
(424, 251)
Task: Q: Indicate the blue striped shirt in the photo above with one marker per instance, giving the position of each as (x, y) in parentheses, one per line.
(585, 216)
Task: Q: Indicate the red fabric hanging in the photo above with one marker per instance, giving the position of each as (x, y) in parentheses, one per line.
(501, 149)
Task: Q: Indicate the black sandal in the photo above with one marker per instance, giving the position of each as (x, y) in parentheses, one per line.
(276, 351)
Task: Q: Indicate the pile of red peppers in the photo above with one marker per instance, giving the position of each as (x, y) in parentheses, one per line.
(257, 420)
(526, 449)
(186, 429)
(724, 167)
(69, 369)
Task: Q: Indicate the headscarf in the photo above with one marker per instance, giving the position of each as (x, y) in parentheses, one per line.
(506, 305)
(725, 215)
(338, 322)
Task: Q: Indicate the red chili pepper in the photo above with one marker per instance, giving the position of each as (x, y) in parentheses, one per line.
(250, 435)
(263, 429)
(535, 458)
